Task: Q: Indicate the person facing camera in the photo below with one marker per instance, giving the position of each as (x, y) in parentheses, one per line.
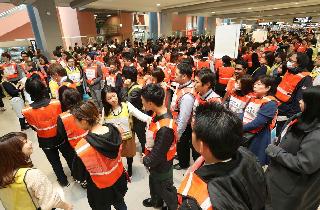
(225, 176)
(293, 175)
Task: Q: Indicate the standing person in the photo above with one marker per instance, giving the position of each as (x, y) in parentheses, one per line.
(120, 114)
(42, 116)
(204, 81)
(228, 176)
(289, 91)
(93, 75)
(21, 186)
(10, 69)
(99, 161)
(74, 73)
(294, 171)
(224, 74)
(132, 94)
(67, 129)
(181, 108)
(160, 149)
(259, 118)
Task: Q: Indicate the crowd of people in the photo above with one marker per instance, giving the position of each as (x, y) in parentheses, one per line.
(251, 123)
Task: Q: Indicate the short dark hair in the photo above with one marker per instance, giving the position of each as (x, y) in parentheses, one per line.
(219, 128)
(7, 55)
(107, 107)
(206, 75)
(246, 83)
(243, 63)
(311, 97)
(128, 56)
(268, 82)
(57, 68)
(226, 60)
(35, 87)
(153, 93)
(69, 98)
(302, 60)
(158, 74)
(185, 69)
(130, 72)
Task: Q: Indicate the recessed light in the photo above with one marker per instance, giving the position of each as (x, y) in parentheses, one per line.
(95, 15)
(249, 8)
(275, 8)
(108, 15)
(213, 12)
(158, 5)
(297, 3)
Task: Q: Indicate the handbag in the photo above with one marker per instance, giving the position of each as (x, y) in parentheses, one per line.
(85, 95)
(247, 139)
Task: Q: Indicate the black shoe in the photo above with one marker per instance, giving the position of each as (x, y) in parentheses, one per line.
(25, 128)
(130, 171)
(165, 208)
(64, 183)
(178, 167)
(149, 203)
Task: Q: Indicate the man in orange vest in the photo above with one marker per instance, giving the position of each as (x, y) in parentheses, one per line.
(181, 107)
(225, 176)
(160, 149)
(224, 74)
(289, 91)
(42, 116)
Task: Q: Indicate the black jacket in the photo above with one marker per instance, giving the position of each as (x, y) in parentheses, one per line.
(235, 185)
(107, 144)
(293, 175)
(156, 160)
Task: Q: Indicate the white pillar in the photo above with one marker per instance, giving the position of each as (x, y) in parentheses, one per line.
(166, 24)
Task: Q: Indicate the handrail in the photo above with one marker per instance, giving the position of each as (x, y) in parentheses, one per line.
(13, 10)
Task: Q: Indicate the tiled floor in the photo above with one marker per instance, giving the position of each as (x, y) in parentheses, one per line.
(138, 188)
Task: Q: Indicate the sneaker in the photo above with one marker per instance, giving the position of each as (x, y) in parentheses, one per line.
(149, 203)
(64, 184)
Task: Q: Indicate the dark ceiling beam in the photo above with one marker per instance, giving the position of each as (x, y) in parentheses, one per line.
(80, 3)
(272, 12)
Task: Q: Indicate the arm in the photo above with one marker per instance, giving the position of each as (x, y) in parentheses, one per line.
(186, 107)
(61, 131)
(265, 115)
(162, 144)
(306, 161)
(43, 190)
(138, 114)
(99, 76)
(303, 84)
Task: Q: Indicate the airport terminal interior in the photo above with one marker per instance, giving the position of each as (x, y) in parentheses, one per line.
(164, 104)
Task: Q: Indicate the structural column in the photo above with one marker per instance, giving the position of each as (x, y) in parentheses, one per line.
(166, 24)
(153, 25)
(211, 25)
(200, 25)
(45, 25)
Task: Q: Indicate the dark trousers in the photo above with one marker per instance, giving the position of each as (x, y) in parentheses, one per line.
(118, 206)
(54, 159)
(1, 102)
(279, 128)
(139, 128)
(22, 122)
(162, 189)
(183, 148)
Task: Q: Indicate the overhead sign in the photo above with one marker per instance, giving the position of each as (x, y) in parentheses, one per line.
(302, 20)
(227, 41)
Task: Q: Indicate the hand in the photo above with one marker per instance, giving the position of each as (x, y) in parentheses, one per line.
(141, 158)
(67, 206)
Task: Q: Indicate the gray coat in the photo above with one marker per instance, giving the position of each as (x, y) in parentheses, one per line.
(293, 176)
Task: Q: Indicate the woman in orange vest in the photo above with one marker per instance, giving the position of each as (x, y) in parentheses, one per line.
(259, 118)
(21, 185)
(67, 130)
(224, 74)
(42, 116)
(241, 94)
(10, 69)
(99, 161)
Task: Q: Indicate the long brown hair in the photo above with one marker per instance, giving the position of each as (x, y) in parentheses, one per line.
(12, 157)
(86, 111)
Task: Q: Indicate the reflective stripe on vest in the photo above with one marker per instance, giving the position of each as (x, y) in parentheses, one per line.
(74, 133)
(288, 85)
(177, 97)
(10, 70)
(44, 119)
(16, 196)
(104, 171)
(193, 186)
(225, 74)
(237, 103)
(252, 109)
(151, 133)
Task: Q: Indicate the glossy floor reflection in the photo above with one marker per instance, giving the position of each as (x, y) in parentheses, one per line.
(138, 188)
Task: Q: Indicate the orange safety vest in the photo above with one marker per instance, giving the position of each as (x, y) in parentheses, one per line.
(44, 119)
(288, 85)
(225, 74)
(194, 187)
(202, 64)
(69, 85)
(252, 109)
(177, 97)
(171, 70)
(151, 134)
(103, 171)
(91, 73)
(10, 70)
(74, 133)
(212, 97)
(237, 103)
(105, 71)
(217, 64)
(231, 86)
